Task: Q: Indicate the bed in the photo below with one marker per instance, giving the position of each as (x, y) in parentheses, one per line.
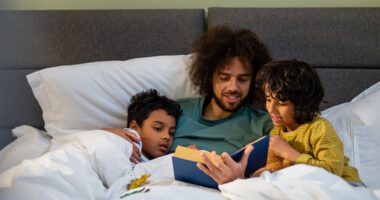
(105, 56)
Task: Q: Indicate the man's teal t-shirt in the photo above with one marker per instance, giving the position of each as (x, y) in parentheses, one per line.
(225, 135)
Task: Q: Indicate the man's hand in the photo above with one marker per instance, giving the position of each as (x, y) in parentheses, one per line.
(130, 137)
(226, 169)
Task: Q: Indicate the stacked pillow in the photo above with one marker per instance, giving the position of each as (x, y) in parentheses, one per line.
(358, 124)
(96, 95)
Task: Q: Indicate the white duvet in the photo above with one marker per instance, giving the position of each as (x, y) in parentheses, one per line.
(95, 165)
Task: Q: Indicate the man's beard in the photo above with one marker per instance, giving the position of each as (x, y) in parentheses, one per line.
(224, 108)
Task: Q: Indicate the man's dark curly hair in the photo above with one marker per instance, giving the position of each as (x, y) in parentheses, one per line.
(217, 47)
(293, 81)
(144, 103)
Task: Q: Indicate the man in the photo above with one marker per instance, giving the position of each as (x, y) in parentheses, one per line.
(225, 64)
(224, 68)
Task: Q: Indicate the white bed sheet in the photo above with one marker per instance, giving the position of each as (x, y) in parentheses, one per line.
(30, 143)
(95, 165)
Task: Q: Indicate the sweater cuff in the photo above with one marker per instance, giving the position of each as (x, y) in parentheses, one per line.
(303, 159)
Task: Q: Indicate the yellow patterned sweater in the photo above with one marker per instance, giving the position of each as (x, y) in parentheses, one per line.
(319, 146)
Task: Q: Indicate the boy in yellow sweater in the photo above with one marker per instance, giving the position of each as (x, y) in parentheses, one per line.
(293, 92)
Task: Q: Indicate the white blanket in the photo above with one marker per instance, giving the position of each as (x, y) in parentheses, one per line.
(295, 182)
(95, 165)
(81, 168)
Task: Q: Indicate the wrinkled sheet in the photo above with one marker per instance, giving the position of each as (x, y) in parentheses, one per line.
(89, 165)
(95, 165)
(295, 182)
(30, 143)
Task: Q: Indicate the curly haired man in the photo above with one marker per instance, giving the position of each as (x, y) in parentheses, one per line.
(225, 64)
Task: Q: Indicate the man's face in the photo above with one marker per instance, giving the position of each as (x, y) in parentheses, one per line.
(156, 133)
(231, 85)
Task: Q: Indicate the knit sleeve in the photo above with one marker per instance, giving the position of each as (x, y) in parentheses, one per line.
(326, 147)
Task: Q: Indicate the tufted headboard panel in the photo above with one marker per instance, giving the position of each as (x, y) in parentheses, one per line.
(342, 43)
(33, 40)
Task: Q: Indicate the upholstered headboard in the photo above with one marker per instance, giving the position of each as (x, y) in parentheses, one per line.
(343, 43)
(33, 40)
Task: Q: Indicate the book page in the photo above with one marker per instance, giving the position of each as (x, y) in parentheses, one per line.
(193, 154)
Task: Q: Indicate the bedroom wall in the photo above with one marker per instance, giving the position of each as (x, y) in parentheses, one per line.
(150, 4)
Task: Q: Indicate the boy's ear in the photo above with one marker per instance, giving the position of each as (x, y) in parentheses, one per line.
(134, 125)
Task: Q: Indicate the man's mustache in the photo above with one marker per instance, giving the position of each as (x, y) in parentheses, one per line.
(232, 93)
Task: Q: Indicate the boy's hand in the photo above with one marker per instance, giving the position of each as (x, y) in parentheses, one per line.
(280, 147)
(259, 172)
(225, 170)
(130, 137)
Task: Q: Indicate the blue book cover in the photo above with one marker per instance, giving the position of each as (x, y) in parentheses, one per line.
(186, 170)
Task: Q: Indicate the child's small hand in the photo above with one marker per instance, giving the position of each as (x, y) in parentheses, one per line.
(259, 172)
(280, 147)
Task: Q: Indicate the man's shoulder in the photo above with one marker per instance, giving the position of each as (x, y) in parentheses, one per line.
(189, 102)
(260, 118)
(257, 112)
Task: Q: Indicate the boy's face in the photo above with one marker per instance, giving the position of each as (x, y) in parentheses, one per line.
(280, 112)
(156, 133)
(231, 85)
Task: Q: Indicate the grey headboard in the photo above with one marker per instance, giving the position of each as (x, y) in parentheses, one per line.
(32, 40)
(343, 43)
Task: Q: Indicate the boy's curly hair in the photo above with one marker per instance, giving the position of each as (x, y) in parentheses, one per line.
(217, 47)
(294, 81)
(144, 103)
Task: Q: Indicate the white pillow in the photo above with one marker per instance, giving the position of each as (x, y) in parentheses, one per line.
(357, 123)
(368, 91)
(96, 95)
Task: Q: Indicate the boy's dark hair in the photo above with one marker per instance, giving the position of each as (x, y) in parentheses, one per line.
(143, 103)
(294, 81)
(216, 48)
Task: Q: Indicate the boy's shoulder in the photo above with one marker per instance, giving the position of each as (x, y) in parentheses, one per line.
(322, 125)
(320, 121)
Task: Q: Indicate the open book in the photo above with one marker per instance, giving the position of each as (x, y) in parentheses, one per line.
(185, 163)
